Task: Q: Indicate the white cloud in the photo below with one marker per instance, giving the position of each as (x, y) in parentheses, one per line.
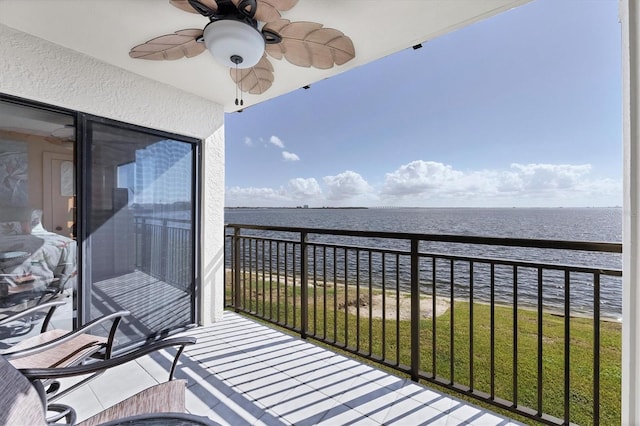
(248, 141)
(298, 191)
(303, 189)
(346, 185)
(427, 183)
(433, 184)
(290, 156)
(276, 141)
(550, 176)
(419, 177)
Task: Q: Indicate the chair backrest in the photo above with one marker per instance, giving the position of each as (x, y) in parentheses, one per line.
(20, 401)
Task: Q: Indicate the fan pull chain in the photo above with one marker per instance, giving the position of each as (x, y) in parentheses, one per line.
(239, 81)
(237, 84)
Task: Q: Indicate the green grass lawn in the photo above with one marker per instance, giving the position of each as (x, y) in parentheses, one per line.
(365, 335)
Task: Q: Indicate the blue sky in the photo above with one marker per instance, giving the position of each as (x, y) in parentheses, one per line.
(522, 109)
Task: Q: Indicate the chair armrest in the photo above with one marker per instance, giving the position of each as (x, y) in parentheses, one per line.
(98, 366)
(51, 306)
(10, 354)
(163, 418)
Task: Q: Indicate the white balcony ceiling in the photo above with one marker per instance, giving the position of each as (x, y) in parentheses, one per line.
(108, 29)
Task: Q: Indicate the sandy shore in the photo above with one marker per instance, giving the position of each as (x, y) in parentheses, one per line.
(391, 305)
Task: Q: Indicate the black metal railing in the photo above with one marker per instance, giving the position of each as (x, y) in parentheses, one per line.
(497, 319)
(164, 250)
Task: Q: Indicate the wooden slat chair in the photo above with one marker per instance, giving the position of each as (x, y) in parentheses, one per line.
(22, 399)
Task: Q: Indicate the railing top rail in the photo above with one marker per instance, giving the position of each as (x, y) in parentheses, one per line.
(607, 247)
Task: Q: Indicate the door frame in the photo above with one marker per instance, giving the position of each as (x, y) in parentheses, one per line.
(47, 196)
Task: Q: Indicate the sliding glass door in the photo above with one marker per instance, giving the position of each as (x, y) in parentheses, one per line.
(140, 228)
(38, 247)
(99, 214)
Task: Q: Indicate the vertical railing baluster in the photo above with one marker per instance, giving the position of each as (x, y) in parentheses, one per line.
(346, 298)
(492, 331)
(270, 280)
(228, 263)
(315, 291)
(398, 309)
(278, 296)
(244, 274)
(335, 296)
(567, 345)
(324, 292)
(164, 247)
(255, 274)
(304, 283)
(540, 341)
(370, 304)
(236, 268)
(415, 310)
(286, 283)
(264, 279)
(384, 306)
(358, 300)
(433, 317)
(294, 279)
(246, 284)
(452, 298)
(471, 363)
(515, 336)
(596, 349)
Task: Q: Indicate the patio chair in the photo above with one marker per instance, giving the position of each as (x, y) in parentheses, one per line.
(61, 348)
(22, 398)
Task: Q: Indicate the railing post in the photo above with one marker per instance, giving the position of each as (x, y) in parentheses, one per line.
(304, 283)
(415, 311)
(236, 269)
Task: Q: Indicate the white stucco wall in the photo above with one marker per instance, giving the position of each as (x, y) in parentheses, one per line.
(35, 69)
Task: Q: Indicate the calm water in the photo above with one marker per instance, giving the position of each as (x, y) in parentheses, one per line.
(573, 224)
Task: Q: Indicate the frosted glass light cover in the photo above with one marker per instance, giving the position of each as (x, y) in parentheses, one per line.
(227, 38)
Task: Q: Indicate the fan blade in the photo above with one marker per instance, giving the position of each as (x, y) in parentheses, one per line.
(181, 44)
(26, 136)
(255, 80)
(269, 10)
(185, 6)
(309, 44)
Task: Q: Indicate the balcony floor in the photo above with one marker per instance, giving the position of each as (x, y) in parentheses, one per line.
(242, 372)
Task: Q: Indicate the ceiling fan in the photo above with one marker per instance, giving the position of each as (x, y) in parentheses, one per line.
(240, 35)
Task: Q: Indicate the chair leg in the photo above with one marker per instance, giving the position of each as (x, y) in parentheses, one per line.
(62, 411)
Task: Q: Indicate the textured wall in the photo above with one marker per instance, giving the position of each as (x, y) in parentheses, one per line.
(35, 69)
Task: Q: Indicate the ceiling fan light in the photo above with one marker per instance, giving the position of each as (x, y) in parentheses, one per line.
(68, 132)
(234, 43)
